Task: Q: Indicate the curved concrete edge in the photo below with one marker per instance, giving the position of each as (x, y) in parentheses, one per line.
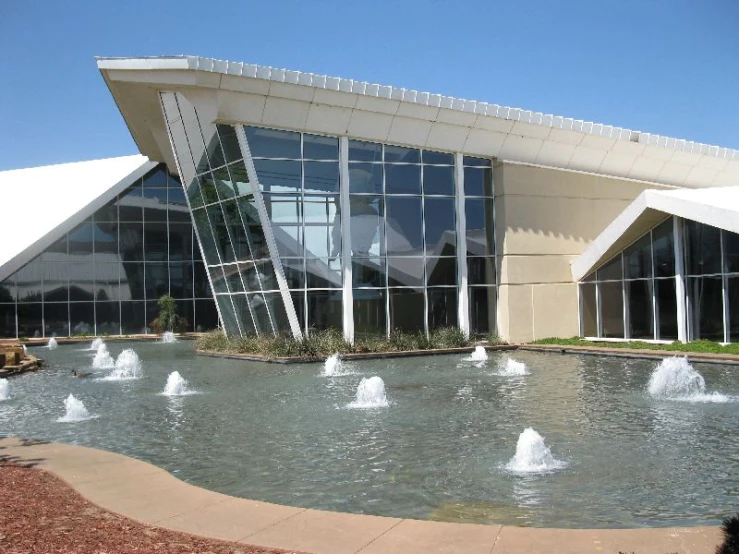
(151, 495)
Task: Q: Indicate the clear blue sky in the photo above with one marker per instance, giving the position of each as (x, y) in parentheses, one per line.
(662, 66)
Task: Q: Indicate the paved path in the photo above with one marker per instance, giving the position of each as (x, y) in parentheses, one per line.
(151, 495)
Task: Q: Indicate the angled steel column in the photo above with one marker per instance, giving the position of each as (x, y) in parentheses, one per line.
(269, 237)
(463, 306)
(347, 293)
(683, 325)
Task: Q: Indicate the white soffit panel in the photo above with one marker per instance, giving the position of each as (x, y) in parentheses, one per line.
(529, 136)
(42, 203)
(717, 206)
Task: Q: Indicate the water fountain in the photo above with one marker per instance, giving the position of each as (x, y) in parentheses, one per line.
(512, 368)
(76, 411)
(478, 355)
(332, 366)
(25, 350)
(176, 385)
(127, 366)
(370, 394)
(96, 344)
(532, 455)
(103, 359)
(675, 379)
(52, 343)
(168, 337)
(4, 389)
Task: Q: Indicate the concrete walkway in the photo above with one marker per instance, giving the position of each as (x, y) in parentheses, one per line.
(150, 495)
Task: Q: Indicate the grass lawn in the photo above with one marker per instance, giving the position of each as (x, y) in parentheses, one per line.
(699, 346)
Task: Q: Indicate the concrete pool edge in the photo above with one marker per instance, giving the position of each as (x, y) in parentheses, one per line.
(151, 495)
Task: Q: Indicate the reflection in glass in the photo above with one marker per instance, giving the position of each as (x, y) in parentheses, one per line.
(612, 308)
(442, 271)
(404, 225)
(641, 321)
(442, 307)
(405, 272)
(368, 272)
(321, 177)
(369, 312)
(611, 270)
(407, 308)
(440, 226)
(279, 175)
(732, 284)
(365, 178)
(478, 182)
(731, 251)
(706, 307)
(360, 151)
(270, 143)
(56, 318)
(638, 259)
(482, 310)
(402, 179)
(589, 310)
(702, 248)
(317, 147)
(323, 273)
(324, 309)
(367, 230)
(479, 221)
(666, 309)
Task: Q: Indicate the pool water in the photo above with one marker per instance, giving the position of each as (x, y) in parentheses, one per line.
(440, 448)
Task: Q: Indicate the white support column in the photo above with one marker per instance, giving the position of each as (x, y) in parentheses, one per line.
(268, 235)
(598, 311)
(463, 306)
(682, 312)
(724, 289)
(347, 296)
(653, 286)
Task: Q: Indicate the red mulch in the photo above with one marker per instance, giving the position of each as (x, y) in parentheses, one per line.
(41, 513)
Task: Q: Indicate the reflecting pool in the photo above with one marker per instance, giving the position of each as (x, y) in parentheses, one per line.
(441, 448)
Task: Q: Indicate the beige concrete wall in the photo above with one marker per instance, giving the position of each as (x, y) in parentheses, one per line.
(544, 219)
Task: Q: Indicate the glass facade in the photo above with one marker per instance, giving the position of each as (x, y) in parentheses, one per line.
(310, 232)
(105, 276)
(635, 295)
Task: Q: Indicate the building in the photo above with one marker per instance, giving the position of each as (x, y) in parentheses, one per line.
(325, 202)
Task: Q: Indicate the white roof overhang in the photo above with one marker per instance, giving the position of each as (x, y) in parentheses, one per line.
(718, 207)
(42, 203)
(251, 94)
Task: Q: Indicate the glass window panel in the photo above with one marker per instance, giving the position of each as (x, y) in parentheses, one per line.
(180, 241)
(360, 151)
(173, 181)
(442, 307)
(194, 194)
(471, 161)
(365, 178)
(157, 280)
(181, 280)
(278, 313)
(733, 292)
(131, 241)
(266, 275)
(250, 218)
(283, 208)
(239, 245)
(55, 280)
(641, 320)
(7, 320)
(322, 209)
(401, 154)
(260, 312)
(482, 310)
(299, 305)
(323, 273)
(155, 205)
(405, 272)
(589, 277)
(402, 179)
(666, 309)
(108, 318)
(132, 281)
(56, 319)
(30, 320)
(407, 310)
(366, 226)
(200, 281)
(130, 205)
(316, 147)
(227, 314)
(368, 272)
(369, 312)
(702, 248)
(108, 213)
(250, 277)
(612, 309)
(229, 142)
(481, 270)
(294, 272)
(155, 242)
(440, 226)
(208, 188)
(220, 233)
(223, 183)
(218, 279)
(81, 281)
(706, 305)
(611, 270)
(133, 318)
(243, 314)
(233, 278)
(7, 290)
(437, 158)
(81, 318)
(589, 310)
(479, 222)
(206, 236)
(106, 237)
(270, 143)
(638, 259)
(441, 271)
(731, 249)
(403, 226)
(29, 282)
(107, 281)
(213, 145)
(438, 180)
(239, 179)
(478, 182)
(321, 177)
(186, 311)
(664, 250)
(195, 144)
(206, 316)
(319, 241)
(324, 310)
(81, 239)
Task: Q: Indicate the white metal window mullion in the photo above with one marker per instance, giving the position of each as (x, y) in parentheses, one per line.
(724, 288)
(598, 310)
(347, 293)
(682, 307)
(268, 235)
(463, 313)
(625, 299)
(655, 310)
(184, 179)
(388, 321)
(424, 271)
